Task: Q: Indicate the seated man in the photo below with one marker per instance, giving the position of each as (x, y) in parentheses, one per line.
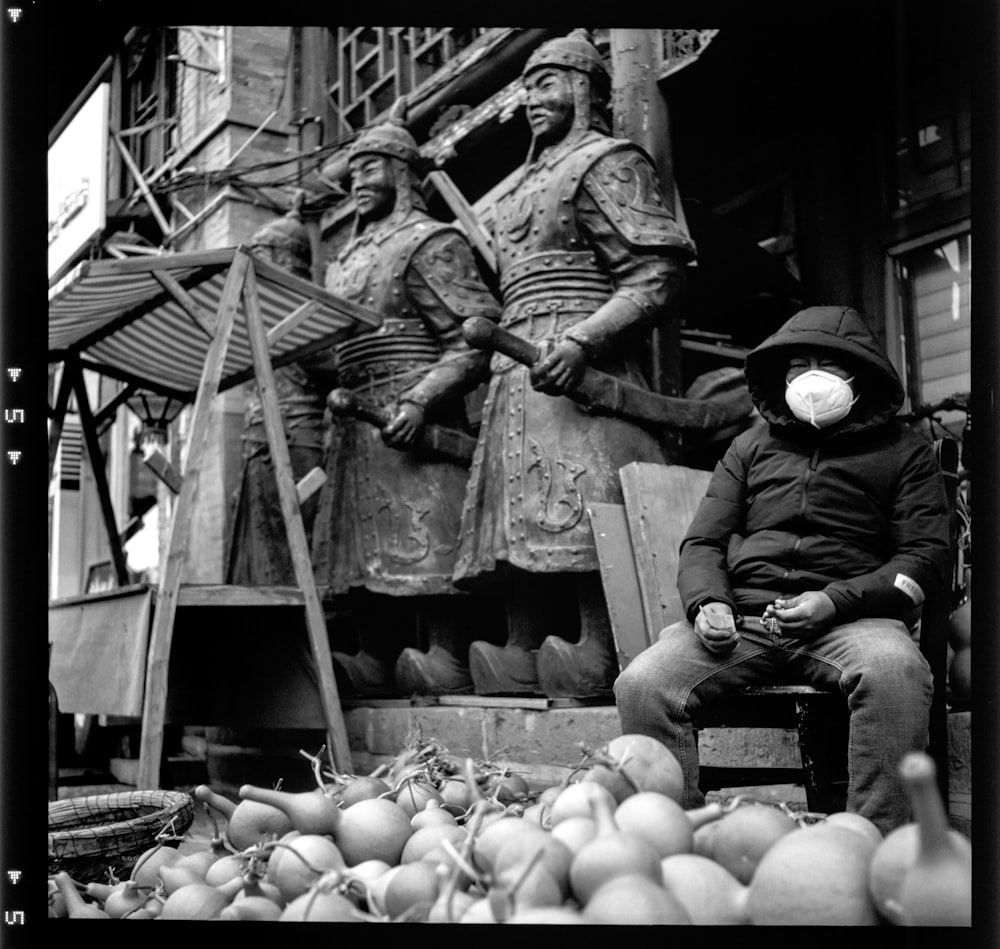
(820, 532)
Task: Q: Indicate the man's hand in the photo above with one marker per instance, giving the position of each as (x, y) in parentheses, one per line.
(558, 372)
(809, 612)
(716, 628)
(405, 426)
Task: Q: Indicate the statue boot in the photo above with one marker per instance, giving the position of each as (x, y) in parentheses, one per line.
(443, 669)
(369, 672)
(363, 675)
(586, 668)
(532, 611)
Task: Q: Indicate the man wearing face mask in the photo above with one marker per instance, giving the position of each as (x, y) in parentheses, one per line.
(820, 534)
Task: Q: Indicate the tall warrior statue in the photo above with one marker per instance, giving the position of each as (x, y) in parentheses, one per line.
(589, 258)
(258, 547)
(387, 530)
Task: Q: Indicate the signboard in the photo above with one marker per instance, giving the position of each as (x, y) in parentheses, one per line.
(77, 181)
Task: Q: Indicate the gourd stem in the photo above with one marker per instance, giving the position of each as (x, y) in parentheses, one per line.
(919, 774)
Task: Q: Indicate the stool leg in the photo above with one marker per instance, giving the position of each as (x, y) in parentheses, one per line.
(823, 735)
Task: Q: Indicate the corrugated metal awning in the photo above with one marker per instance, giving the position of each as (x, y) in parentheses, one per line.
(149, 320)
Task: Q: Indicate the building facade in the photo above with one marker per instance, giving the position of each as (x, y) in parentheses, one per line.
(800, 180)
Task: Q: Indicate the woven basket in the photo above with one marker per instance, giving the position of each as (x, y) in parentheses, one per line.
(89, 836)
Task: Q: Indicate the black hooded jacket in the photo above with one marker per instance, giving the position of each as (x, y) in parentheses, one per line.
(857, 510)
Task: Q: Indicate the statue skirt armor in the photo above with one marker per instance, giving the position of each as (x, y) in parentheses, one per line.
(388, 520)
(541, 459)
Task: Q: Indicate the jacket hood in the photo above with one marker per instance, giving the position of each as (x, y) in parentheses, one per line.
(837, 329)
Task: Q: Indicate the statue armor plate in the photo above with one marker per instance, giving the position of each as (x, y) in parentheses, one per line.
(541, 459)
(391, 519)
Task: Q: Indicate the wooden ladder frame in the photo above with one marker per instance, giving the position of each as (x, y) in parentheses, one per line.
(240, 287)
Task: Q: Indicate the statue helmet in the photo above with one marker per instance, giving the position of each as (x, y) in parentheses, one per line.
(591, 81)
(389, 138)
(286, 237)
(393, 141)
(573, 51)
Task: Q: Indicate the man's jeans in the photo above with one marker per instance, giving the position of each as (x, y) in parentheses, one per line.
(874, 662)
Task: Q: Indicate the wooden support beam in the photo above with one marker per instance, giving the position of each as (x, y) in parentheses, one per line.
(466, 216)
(309, 484)
(105, 416)
(199, 216)
(154, 704)
(96, 458)
(58, 417)
(355, 312)
(202, 319)
(297, 544)
(143, 187)
(296, 318)
(149, 265)
(159, 464)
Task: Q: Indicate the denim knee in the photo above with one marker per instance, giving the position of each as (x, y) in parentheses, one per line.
(634, 679)
(899, 672)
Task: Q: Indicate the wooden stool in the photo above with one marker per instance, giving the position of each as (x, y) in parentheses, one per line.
(821, 720)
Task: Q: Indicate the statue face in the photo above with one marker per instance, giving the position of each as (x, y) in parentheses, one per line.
(373, 186)
(549, 104)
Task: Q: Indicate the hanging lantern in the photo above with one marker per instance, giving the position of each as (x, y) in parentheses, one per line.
(156, 412)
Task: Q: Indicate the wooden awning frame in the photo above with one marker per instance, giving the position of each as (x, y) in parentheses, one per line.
(238, 306)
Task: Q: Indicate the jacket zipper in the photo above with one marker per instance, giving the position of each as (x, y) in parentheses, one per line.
(813, 464)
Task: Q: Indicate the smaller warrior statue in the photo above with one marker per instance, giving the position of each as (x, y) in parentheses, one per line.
(387, 530)
(258, 546)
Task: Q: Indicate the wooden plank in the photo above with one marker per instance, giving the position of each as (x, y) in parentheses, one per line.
(202, 319)
(214, 260)
(494, 701)
(310, 483)
(379, 703)
(107, 413)
(159, 464)
(539, 703)
(141, 182)
(463, 212)
(220, 198)
(355, 312)
(620, 580)
(660, 502)
(298, 547)
(298, 316)
(147, 306)
(220, 594)
(96, 459)
(112, 594)
(158, 658)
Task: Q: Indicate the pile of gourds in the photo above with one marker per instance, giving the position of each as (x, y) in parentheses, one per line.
(433, 838)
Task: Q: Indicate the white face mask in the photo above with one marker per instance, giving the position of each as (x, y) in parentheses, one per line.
(819, 397)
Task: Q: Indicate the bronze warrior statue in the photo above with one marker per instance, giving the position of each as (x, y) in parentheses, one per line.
(258, 547)
(589, 258)
(387, 531)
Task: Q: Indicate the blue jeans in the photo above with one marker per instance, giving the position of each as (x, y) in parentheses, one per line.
(874, 662)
